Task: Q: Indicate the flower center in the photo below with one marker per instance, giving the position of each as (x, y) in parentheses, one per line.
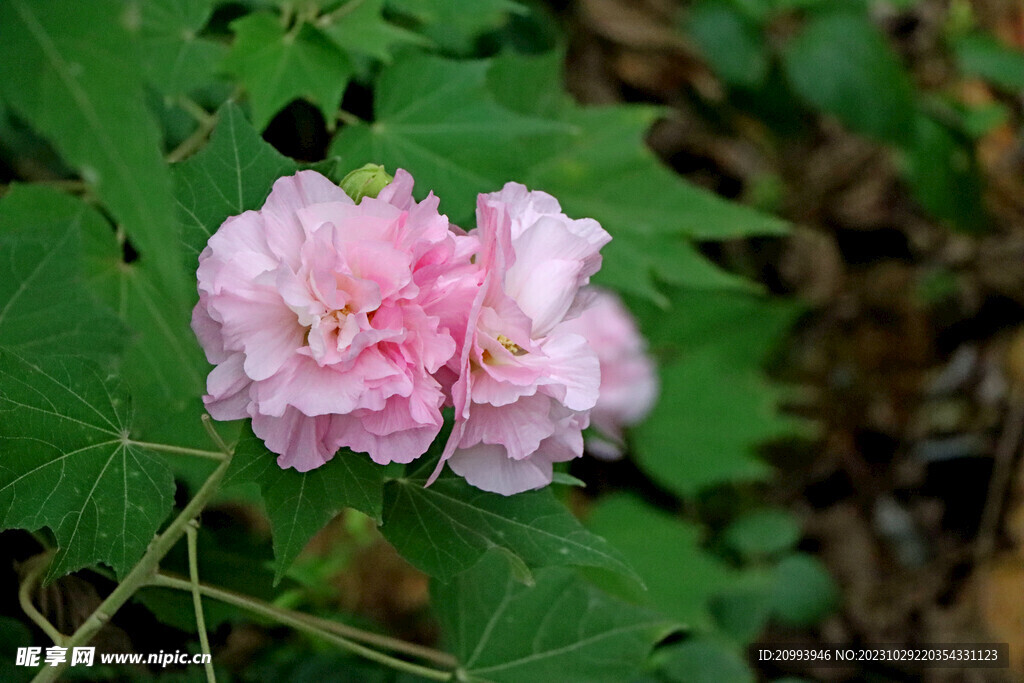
(512, 347)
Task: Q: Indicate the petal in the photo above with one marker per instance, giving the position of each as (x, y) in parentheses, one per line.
(402, 446)
(489, 468)
(228, 387)
(285, 235)
(208, 331)
(258, 322)
(519, 426)
(572, 372)
(312, 390)
(299, 440)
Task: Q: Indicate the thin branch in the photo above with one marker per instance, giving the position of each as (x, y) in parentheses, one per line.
(141, 573)
(201, 116)
(317, 627)
(195, 141)
(197, 600)
(214, 434)
(36, 566)
(181, 450)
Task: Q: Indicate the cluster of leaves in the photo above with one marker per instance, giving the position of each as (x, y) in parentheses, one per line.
(101, 378)
(833, 59)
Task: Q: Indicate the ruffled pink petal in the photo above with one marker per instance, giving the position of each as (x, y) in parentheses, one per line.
(228, 387)
(402, 446)
(312, 390)
(298, 439)
(285, 234)
(489, 468)
(208, 331)
(572, 371)
(519, 426)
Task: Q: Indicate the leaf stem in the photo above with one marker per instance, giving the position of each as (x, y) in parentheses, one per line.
(321, 628)
(197, 600)
(194, 141)
(141, 573)
(168, 448)
(214, 434)
(348, 118)
(36, 566)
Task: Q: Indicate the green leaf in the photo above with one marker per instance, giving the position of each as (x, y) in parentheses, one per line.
(985, 57)
(602, 168)
(680, 577)
(70, 70)
(455, 24)
(300, 503)
(68, 464)
(530, 84)
(609, 173)
(232, 174)
(944, 175)
(731, 42)
(46, 309)
(443, 529)
(436, 119)
(606, 172)
(559, 630)
(841, 64)
(704, 660)
(277, 67)
(175, 58)
(163, 363)
(803, 593)
(359, 27)
(716, 404)
(762, 533)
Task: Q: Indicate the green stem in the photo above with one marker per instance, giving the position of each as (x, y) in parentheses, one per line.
(214, 434)
(36, 566)
(194, 141)
(141, 574)
(197, 600)
(301, 622)
(168, 448)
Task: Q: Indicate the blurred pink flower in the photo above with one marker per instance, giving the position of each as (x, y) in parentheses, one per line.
(629, 385)
(525, 383)
(326, 319)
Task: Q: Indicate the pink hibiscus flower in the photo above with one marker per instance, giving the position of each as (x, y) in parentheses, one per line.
(525, 383)
(629, 385)
(327, 319)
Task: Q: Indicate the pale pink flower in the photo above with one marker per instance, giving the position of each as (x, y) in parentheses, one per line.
(629, 385)
(326, 319)
(525, 383)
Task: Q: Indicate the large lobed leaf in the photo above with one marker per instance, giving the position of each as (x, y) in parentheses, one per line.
(232, 174)
(300, 503)
(436, 119)
(46, 308)
(716, 405)
(175, 58)
(277, 66)
(69, 69)
(446, 527)
(68, 464)
(841, 64)
(560, 629)
(681, 578)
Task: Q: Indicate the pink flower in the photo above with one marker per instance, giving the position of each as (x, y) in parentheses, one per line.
(326, 320)
(525, 383)
(629, 385)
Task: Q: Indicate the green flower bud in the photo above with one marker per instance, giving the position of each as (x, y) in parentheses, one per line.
(367, 181)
